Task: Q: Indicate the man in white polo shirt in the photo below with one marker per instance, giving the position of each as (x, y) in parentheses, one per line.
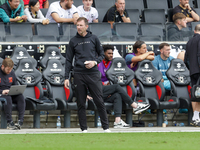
(62, 11)
(86, 10)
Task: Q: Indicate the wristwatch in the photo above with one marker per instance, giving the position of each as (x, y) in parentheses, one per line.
(190, 10)
(123, 15)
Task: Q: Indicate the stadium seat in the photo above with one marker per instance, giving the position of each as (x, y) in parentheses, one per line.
(47, 30)
(37, 38)
(27, 74)
(179, 77)
(67, 31)
(151, 87)
(14, 38)
(104, 4)
(159, 16)
(134, 15)
(51, 52)
(152, 31)
(135, 4)
(194, 25)
(166, 28)
(2, 31)
(125, 32)
(51, 1)
(119, 73)
(78, 3)
(54, 76)
(157, 4)
(170, 15)
(101, 12)
(44, 11)
(101, 30)
(21, 53)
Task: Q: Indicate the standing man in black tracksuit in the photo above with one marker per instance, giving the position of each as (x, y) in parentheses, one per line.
(88, 51)
(192, 59)
(8, 78)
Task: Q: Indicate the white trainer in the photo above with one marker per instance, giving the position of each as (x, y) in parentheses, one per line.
(121, 124)
(84, 131)
(107, 131)
(140, 108)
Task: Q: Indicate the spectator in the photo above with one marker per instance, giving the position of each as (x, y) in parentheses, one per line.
(86, 10)
(12, 11)
(189, 12)
(8, 78)
(192, 57)
(106, 62)
(139, 53)
(117, 13)
(175, 31)
(62, 11)
(162, 63)
(42, 3)
(87, 50)
(34, 14)
(3, 1)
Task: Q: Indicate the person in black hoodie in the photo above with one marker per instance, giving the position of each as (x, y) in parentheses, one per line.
(192, 59)
(88, 52)
(8, 78)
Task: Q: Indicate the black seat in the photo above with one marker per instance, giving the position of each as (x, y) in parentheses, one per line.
(67, 31)
(101, 30)
(125, 32)
(179, 77)
(134, 15)
(52, 52)
(119, 73)
(159, 16)
(20, 53)
(78, 3)
(135, 4)
(51, 30)
(151, 87)
(101, 13)
(104, 4)
(26, 29)
(157, 4)
(27, 74)
(44, 11)
(16, 38)
(54, 76)
(152, 30)
(2, 31)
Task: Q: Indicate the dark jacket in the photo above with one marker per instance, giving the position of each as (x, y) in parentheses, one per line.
(174, 34)
(6, 80)
(86, 48)
(192, 54)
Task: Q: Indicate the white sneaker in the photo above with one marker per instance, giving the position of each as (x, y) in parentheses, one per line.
(107, 131)
(84, 131)
(140, 108)
(121, 124)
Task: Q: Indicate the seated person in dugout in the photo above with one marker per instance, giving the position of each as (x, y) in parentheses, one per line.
(7, 79)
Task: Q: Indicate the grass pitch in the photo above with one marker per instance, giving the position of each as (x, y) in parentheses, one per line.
(101, 141)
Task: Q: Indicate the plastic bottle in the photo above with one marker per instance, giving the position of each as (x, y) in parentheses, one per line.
(165, 120)
(58, 124)
(150, 124)
(99, 123)
(181, 124)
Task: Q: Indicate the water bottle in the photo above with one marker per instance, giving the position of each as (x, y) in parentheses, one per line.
(181, 124)
(99, 123)
(150, 124)
(58, 124)
(165, 120)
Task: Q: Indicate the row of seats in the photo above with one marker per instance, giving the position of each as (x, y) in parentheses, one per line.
(138, 4)
(51, 32)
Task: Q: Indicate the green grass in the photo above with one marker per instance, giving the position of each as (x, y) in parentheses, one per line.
(101, 141)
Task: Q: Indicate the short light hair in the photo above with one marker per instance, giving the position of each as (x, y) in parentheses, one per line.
(7, 62)
(178, 16)
(84, 19)
(197, 27)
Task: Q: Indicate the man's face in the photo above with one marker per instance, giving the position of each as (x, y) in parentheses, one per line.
(14, 4)
(143, 49)
(6, 70)
(183, 23)
(108, 54)
(165, 51)
(183, 2)
(81, 27)
(87, 3)
(120, 4)
(69, 4)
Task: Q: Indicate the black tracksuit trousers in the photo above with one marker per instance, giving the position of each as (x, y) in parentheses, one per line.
(94, 84)
(17, 99)
(116, 94)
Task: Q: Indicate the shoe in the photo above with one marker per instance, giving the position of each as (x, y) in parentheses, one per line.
(195, 123)
(19, 124)
(121, 124)
(107, 131)
(11, 126)
(84, 131)
(141, 107)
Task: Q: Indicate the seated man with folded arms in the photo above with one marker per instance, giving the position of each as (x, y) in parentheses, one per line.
(62, 11)
(114, 93)
(12, 11)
